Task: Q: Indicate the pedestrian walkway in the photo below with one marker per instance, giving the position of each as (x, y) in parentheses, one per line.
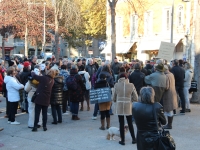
(85, 134)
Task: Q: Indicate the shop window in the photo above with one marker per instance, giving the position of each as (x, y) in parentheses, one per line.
(148, 23)
(133, 26)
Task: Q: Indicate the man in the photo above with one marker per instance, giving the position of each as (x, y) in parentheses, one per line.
(84, 62)
(148, 67)
(158, 81)
(79, 63)
(137, 78)
(90, 68)
(95, 63)
(33, 62)
(115, 67)
(179, 75)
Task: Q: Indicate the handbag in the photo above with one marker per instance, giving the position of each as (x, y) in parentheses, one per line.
(165, 140)
(193, 87)
(34, 97)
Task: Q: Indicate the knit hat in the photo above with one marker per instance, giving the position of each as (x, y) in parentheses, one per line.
(10, 63)
(160, 67)
(26, 64)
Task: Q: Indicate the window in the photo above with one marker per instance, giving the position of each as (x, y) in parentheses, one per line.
(119, 27)
(166, 17)
(148, 22)
(180, 16)
(133, 26)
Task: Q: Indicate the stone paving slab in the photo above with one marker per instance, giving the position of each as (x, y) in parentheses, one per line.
(85, 135)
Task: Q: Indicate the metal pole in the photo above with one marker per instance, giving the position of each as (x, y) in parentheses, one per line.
(172, 22)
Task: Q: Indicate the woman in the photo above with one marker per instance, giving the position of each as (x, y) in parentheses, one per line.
(13, 86)
(143, 112)
(57, 98)
(86, 79)
(103, 107)
(124, 94)
(76, 96)
(109, 78)
(30, 88)
(42, 100)
(187, 84)
(169, 98)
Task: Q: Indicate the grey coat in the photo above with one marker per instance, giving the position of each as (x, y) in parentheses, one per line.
(159, 83)
(170, 96)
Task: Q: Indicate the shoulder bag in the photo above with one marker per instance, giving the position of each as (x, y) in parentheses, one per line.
(165, 140)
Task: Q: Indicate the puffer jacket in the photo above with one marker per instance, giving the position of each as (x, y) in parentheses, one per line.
(57, 91)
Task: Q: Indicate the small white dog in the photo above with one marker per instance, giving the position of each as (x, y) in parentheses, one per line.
(114, 131)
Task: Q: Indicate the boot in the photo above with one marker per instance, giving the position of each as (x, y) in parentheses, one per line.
(169, 124)
(73, 117)
(108, 123)
(1, 129)
(102, 125)
(76, 118)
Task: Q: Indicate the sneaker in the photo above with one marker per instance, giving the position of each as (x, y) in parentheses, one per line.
(9, 122)
(66, 113)
(94, 118)
(182, 112)
(15, 123)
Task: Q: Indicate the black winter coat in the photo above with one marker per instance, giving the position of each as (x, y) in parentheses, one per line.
(179, 75)
(57, 91)
(77, 95)
(24, 76)
(115, 67)
(137, 78)
(147, 131)
(44, 89)
(91, 69)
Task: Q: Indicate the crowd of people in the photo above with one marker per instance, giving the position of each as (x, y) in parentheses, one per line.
(137, 91)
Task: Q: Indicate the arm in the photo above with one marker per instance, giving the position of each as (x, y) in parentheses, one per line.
(161, 116)
(186, 76)
(114, 94)
(36, 77)
(134, 95)
(147, 79)
(16, 85)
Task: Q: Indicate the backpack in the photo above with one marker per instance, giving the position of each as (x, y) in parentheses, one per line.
(83, 78)
(71, 82)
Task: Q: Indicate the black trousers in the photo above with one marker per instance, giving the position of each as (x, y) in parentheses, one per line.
(38, 109)
(105, 114)
(121, 127)
(12, 111)
(179, 91)
(56, 109)
(65, 101)
(7, 106)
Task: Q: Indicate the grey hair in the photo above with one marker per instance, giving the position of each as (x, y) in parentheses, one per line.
(74, 67)
(147, 95)
(160, 61)
(37, 66)
(107, 62)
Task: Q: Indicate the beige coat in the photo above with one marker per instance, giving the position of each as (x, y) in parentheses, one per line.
(124, 94)
(170, 96)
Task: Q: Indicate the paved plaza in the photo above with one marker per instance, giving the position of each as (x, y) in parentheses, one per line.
(85, 134)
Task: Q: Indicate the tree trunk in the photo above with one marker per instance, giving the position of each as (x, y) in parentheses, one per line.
(196, 97)
(3, 48)
(113, 29)
(26, 42)
(57, 51)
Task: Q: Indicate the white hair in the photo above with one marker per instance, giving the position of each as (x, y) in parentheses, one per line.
(88, 60)
(147, 95)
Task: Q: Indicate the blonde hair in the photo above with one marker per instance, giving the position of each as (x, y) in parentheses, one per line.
(51, 73)
(188, 66)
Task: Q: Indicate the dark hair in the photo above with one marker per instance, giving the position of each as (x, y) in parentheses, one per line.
(78, 60)
(122, 69)
(102, 76)
(123, 75)
(83, 59)
(180, 61)
(137, 66)
(107, 69)
(81, 68)
(10, 71)
(148, 61)
(69, 65)
(64, 67)
(176, 62)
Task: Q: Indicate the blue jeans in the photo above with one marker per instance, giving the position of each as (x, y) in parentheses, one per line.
(54, 109)
(96, 108)
(74, 106)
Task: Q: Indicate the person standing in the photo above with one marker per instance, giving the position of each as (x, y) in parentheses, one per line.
(179, 75)
(105, 106)
(137, 78)
(42, 99)
(57, 97)
(144, 113)
(13, 86)
(33, 62)
(76, 95)
(86, 80)
(115, 67)
(187, 84)
(124, 94)
(169, 99)
(90, 68)
(158, 81)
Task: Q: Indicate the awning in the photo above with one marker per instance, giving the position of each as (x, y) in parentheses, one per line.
(148, 45)
(7, 48)
(120, 48)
